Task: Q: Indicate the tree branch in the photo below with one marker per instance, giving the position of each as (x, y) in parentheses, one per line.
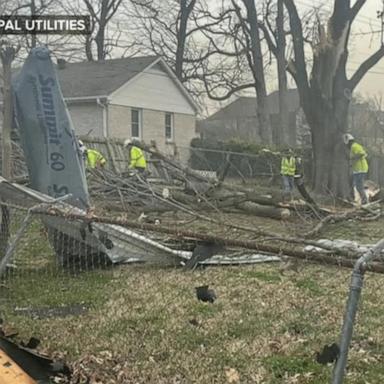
(365, 67)
(356, 9)
(268, 38)
(228, 94)
(301, 75)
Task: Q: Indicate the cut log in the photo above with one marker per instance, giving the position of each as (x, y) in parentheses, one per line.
(264, 211)
(263, 199)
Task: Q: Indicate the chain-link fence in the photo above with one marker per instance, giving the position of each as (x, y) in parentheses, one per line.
(261, 166)
(39, 255)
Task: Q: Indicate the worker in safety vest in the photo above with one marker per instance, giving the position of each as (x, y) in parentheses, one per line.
(92, 158)
(95, 159)
(359, 164)
(288, 169)
(137, 159)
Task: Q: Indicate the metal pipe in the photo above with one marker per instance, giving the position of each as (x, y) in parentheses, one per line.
(356, 286)
(24, 225)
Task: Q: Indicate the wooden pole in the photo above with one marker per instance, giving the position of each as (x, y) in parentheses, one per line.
(7, 55)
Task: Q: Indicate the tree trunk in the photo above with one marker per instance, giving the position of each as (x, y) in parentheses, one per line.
(100, 35)
(181, 36)
(88, 48)
(330, 172)
(33, 13)
(258, 73)
(283, 136)
(100, 42)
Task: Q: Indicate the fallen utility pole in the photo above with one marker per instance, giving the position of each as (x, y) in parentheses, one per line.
(321, 258)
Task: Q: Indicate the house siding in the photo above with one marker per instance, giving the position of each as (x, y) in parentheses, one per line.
(185, 131)
(87, 118)
(119, 121)
(153, 129)
(154, 90)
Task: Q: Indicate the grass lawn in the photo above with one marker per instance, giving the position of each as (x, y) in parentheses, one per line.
(144, 324)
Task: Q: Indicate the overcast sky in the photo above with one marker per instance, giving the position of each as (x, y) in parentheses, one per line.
(373, 83)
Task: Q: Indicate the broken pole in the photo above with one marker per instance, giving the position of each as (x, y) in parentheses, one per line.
(7, 55)
(321, 258)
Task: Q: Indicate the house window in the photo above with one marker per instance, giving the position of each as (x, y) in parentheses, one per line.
(136, 123)
(168, 126)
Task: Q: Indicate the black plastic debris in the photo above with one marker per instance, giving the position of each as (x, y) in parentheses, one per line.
(329, 354)
(203, 293)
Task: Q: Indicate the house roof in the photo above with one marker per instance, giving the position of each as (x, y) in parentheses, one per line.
(244, 107)
(100, 78)
(93, 79)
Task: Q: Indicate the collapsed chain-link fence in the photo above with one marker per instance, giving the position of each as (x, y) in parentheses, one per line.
(37, 257)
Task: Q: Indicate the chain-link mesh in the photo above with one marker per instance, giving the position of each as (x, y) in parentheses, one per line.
(39, 257)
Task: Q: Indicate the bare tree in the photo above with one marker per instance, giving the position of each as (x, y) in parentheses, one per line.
(254, 55)
(275, 28)
(101, 12)
(99, 44)
(236, 42)
(175, 30)
(38, 8)
(186, 9)
(325, 95)
(169, 30)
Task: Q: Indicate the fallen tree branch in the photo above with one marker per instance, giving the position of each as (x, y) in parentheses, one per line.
(322, 258)
(333, 219)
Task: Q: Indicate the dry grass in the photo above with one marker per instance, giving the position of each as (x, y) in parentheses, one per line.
(144, 324)
(264, 328)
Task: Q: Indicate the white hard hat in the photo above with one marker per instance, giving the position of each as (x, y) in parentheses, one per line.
(347, 137)
(82, 147)
(127, 142)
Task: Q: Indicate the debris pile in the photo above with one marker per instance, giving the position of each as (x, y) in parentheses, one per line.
(23, 364)
(172, 187)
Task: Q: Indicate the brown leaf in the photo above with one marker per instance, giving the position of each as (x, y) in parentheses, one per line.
(232, 375)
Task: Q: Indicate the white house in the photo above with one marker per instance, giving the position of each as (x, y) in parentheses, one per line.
(137, 97)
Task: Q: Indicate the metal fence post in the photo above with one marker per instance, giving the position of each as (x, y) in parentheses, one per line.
(356, 286)
(24, 225)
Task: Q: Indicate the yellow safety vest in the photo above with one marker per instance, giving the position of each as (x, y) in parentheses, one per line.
(288, 166)
(137, 158)
(359, 165)
(95, 158)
